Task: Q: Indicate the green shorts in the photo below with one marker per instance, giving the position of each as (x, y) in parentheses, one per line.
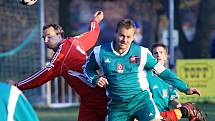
(141, 107)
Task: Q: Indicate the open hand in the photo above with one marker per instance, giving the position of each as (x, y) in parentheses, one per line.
(98, 16)
(11, 82)
(192, 91)
(102, 81)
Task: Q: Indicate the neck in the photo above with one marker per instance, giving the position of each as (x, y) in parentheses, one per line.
(118, 49)
(56, 48)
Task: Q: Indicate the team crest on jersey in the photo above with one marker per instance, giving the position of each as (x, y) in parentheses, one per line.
(165, 93)
(120, 68)
(135, 59)
(107, 60)
(171, 87)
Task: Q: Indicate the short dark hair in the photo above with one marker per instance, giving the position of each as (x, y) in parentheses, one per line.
(57, 28)
(159, 45)
(127, 23)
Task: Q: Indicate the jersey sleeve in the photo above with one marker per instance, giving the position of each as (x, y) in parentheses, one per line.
(88, 39)
(165, 74)
(170, 77)
(90, 69)
(51, 70)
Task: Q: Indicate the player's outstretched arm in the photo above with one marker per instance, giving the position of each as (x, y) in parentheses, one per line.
(88, 39)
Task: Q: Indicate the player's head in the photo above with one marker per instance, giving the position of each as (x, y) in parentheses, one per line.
(125, 32)
(159, 51)
(52, 34)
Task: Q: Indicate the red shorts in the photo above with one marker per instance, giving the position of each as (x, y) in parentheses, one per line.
(93, 101)
(93, 106)
(169, 115)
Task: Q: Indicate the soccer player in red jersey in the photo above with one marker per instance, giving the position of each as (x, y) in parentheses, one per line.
(67, 61)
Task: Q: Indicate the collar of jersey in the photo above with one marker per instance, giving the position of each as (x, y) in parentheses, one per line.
(116, 53)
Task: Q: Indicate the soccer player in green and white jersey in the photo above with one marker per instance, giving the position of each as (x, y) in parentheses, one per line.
(122, 71)
(163, 93)
(14, 106)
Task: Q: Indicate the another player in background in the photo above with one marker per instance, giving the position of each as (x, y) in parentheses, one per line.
(123, 66)
(164, 94)
(138, 38)
(67, 61)
(14, 106)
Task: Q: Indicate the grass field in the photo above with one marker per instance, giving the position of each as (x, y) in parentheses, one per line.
(70, 114)
(62, 114)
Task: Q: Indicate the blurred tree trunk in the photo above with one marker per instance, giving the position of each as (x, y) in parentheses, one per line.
(64, 20)
(200, 46)
(203, 26)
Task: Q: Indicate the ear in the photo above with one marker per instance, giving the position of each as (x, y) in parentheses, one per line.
(59, 36)
(133, 37)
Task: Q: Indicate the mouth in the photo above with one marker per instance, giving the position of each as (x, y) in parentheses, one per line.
(122, 44)
(159, 59)
(46, 45)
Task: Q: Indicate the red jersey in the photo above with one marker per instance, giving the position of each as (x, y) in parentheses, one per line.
(67, 61)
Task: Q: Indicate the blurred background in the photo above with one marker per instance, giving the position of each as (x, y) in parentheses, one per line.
(188, 29)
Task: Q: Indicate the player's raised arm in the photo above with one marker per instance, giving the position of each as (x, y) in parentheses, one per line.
(88, 39)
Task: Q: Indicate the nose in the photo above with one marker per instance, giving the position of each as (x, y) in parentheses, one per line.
(45, 39)
(123, 39)
(159, 54)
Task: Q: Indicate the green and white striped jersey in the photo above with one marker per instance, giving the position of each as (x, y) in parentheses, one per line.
(14, 106)
(126, 73)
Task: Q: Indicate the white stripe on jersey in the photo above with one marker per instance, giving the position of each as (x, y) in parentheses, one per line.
(157, 113)
(159, 68)
(81, 76)
(141, 71)
(96, 51)
(31, 77)
(77, 74)
(92, 26)
(13, 98)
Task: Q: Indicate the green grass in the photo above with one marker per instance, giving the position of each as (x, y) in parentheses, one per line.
(71, 114)
(62, 114)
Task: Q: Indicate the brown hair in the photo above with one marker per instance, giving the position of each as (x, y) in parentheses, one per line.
(56, 27)
(127, 23)
(159, 45)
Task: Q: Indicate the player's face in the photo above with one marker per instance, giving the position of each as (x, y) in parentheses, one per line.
(160, 54)
(123, 40)
(51, 39)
